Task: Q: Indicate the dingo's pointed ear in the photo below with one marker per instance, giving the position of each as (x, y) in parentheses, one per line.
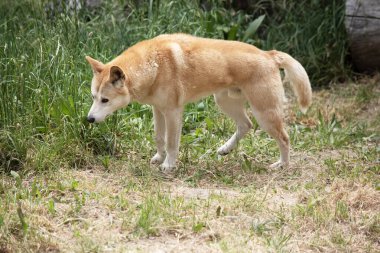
(117, 77)
(96, 66)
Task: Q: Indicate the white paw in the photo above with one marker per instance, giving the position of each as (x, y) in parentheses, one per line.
(168, 165)
(279, 164)
(225, 149)
(157, 159)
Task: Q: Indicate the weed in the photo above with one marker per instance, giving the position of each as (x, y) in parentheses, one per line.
(341, 211)
(260, 228)
(338, 238)
(198, 227)
(22, 218)
(51, 206)
(314, 209)
(146, 219)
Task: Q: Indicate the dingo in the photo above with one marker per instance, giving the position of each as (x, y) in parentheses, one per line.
(171, 70)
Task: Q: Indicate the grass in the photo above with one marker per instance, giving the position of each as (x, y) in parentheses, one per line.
(327, 200)
(63, 180)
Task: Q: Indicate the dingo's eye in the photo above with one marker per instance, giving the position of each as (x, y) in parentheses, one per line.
(104, 100)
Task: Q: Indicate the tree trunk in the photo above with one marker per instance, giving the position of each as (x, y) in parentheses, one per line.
(363, 28)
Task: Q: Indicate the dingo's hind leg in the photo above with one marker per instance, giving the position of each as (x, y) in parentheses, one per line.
(266, 100)
(235, 108)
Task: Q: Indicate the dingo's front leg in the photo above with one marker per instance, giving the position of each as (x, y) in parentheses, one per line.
(173, 123)
(159, 129)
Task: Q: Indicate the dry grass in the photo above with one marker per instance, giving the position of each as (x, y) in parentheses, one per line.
(328, 200)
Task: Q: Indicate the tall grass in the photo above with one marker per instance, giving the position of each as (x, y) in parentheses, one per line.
(44, 79)
(312, 31)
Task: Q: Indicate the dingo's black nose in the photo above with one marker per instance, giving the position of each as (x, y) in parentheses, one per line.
(90, 119)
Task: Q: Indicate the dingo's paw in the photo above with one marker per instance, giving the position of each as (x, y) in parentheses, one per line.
(279, 164)
(225, 149)
(157, 159)
(168, 166)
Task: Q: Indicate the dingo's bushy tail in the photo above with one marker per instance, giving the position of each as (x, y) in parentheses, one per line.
(297, 76)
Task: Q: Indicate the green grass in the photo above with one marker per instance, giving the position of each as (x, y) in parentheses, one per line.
(63, 180)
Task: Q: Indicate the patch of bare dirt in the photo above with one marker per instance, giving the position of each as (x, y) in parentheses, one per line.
(179, 189)
(282, 200)
(171, 243)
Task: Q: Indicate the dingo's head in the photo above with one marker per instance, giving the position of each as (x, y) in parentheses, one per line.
(109, 90)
